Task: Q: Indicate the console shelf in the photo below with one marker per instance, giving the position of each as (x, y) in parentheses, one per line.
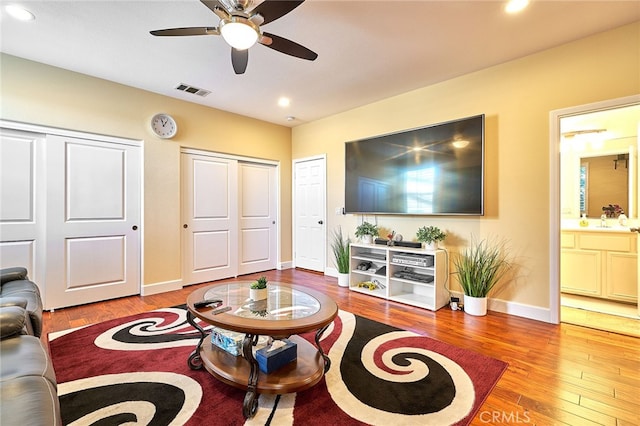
(411, 276)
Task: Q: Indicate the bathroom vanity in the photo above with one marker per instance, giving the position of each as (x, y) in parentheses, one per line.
(600, 262)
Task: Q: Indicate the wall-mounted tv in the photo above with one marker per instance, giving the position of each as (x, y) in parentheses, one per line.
(434, 170)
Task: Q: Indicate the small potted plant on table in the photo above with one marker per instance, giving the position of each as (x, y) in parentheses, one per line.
(430, 236)
(366, 231)
(258, 289)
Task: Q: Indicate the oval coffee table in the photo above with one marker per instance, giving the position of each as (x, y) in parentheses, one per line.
(289, 310)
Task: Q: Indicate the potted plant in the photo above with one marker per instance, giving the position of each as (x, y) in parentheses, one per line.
(258, 289)
(340, 248)
(480, 268)
(430, 236)
(366, 231)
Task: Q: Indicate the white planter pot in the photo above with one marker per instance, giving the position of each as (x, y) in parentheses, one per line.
(475, 305)
(431, 246)
(343, 280)
(366, 239)
(257, 293)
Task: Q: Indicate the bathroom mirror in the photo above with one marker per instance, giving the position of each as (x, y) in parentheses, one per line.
(604, 181)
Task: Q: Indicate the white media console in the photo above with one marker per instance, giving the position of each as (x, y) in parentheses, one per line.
(412, 276)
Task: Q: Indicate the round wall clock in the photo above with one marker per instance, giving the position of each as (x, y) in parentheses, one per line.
(164, 126)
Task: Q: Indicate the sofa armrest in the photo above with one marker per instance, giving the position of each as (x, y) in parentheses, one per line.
(12, 321)
(12, 274)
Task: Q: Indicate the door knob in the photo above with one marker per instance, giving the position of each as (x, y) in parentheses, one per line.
(185, 226)
(320, 222)
(134, 227)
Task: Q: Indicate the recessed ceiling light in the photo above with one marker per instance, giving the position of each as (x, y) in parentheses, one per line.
(19, 12)
(290, 118)
(515, 6)
(284, 102)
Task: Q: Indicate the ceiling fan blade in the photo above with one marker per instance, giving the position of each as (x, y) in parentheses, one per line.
(288, 47)
(274, 9)
(239, 60)
(192, 31)
(216, 7)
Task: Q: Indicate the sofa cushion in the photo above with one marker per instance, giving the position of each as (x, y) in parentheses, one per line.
(29, 400)
(25, 356)
(13, 320)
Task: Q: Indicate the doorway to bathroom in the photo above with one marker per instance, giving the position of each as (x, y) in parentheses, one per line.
(598, 214)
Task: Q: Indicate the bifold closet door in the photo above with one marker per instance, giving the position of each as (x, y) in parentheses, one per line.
(93, 220)
(210, 224)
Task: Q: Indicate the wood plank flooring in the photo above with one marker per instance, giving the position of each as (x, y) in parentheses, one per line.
(558, 374)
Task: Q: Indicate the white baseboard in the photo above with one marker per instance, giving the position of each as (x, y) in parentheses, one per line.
(331, 272)
(156, 288)
(514, 308)
(285, 265)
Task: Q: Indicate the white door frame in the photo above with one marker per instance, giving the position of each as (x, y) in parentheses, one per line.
(554, 191)
(322, 157)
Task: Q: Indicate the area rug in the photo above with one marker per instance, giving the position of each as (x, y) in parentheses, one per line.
(134, 370)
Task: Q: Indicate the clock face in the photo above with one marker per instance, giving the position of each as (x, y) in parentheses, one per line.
(164, 126)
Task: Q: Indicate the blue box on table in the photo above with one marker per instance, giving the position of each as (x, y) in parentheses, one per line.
(270, 359)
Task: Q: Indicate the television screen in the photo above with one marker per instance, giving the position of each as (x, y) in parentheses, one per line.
(433, 170)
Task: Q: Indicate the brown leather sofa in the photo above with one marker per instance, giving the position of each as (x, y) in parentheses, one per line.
(28, 388)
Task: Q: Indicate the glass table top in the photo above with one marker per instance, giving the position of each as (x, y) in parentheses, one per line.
(282, 302)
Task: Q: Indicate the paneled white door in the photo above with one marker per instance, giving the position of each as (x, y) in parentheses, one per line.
(257, 217)
(210, 224)
(93, 220)
(21, 212)
(309, 214)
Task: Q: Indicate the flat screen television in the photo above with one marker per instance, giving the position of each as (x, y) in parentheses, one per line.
(434, 170)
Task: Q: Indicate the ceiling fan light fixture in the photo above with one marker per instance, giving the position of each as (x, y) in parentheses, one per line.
(239, 32)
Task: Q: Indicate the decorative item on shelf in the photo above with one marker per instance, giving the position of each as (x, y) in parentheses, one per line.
(612, 210)
(584, 221)
(480, 268)
(258, 289)
(430, 236)
(371, 285)
(340, 247)
(366, 231)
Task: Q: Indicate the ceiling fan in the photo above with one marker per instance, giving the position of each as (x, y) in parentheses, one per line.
(240, 28)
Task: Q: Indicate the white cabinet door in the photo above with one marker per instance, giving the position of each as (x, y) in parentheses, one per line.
(93, 220)
(257, 195)
(210, 224)
(309, 214)
(21, 212)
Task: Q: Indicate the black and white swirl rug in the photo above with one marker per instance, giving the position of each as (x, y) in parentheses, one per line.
(134, 371)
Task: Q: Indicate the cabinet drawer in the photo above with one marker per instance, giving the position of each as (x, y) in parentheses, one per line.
(567, 240)
(608, 242)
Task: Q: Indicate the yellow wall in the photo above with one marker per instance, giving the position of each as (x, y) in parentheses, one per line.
(516, 98)
(44, 95)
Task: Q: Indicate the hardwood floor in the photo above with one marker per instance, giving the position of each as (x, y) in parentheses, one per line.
(558, 374)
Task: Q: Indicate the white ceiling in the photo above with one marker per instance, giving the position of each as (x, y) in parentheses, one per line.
(368, 50)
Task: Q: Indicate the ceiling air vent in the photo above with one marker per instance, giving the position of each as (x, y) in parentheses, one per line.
(190, 89)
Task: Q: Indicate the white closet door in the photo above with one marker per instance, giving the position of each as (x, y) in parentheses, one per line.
(209, 214)
(21, 208)
(93, 221)
(257, 218)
